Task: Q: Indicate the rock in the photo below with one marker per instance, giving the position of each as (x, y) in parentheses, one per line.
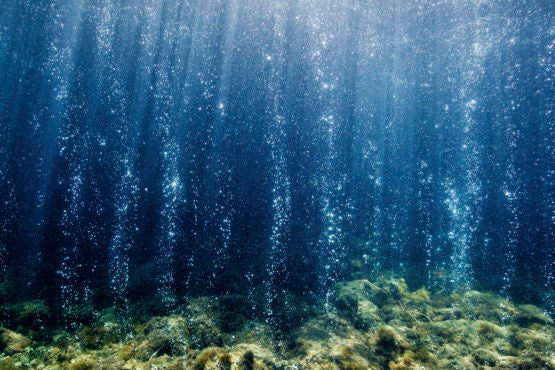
(347, 305)
(533, 340)
(247, 362)
(33, 314)
(163, 335)
(13, 342)
(359, 289)
(488, 331)
(197, 328)
(486, 357)
(529, 314)
(387, 340)
(355, 301)
(379, 298)
(409, 330)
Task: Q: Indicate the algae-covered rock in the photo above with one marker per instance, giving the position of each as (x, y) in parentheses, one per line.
(83, 363)
(388, 344)
(409, 361)
(196, 328)
(529, 314)
(347, 305)
(9, 363)
(477, 305)
(248, 356)
(210, 358)
(322, 328)
(530, 361)
(163, 335)
(203, 322)
(386, 340)
(12, 342)
(486, 357)
(357, 289)
(331, 342)
(252, 331)
(488, 331)
(375, 325)
(355, 301)
(33, 314)
(533, 340)
(30, 318)
(98, 335)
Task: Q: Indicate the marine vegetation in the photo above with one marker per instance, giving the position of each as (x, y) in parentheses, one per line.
(372, 325)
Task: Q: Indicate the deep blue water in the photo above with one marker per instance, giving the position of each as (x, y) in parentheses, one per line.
(155, 150)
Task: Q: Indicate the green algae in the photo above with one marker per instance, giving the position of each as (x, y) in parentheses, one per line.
(373, 325)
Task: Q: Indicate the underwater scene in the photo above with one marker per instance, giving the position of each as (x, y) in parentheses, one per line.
(277, 184)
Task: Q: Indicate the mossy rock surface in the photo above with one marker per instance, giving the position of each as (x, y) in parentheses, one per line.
(486, 357)
(529, 314)
(12, 342)
(371, 325)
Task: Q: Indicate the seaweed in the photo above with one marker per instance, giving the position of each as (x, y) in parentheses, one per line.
(407, 330)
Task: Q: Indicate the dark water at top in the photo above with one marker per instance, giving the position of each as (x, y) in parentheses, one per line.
(156, 150)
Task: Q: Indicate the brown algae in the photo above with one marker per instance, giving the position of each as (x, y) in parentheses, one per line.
(373, 325)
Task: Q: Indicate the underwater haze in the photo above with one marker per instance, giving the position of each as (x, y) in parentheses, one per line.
(154, 153)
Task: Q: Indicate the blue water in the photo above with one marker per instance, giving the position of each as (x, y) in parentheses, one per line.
(153, 150)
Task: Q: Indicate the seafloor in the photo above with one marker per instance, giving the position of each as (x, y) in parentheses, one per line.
(374, 325)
